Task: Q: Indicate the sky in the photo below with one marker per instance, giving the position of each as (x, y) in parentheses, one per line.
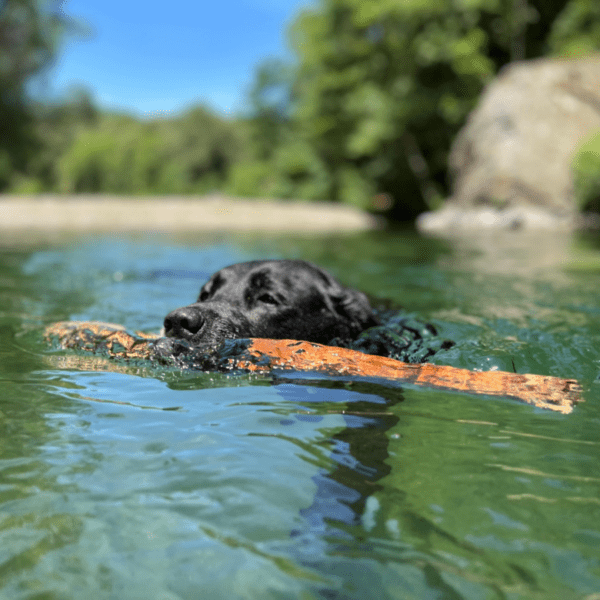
(153, 58)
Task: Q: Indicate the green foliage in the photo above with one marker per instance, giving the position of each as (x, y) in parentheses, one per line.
(55, 127)
(586, 174)
(365, 115)
(122, 155)
(250, 178)
(30, 31)
(381, 88)
(576, 32)
(292, 171)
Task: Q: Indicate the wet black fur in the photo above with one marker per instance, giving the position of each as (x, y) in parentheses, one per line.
(294, 299)
(279, 299)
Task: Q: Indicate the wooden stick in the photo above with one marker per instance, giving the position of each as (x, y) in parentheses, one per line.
(263, 355)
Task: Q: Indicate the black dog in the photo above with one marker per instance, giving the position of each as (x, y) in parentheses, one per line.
(279, 299)
(292, 299)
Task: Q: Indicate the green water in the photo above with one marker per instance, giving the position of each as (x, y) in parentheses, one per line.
(123, 481)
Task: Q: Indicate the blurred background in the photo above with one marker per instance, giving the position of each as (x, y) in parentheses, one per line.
(354, 101)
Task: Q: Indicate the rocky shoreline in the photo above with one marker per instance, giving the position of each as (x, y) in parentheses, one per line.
(452, 218)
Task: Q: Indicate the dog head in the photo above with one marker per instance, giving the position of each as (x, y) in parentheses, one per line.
(279, 299)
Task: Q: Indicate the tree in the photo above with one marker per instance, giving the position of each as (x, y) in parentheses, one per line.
(381, 87)
(30, 31)
(119, 154)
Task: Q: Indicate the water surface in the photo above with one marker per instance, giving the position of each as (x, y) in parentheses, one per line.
(127, 481)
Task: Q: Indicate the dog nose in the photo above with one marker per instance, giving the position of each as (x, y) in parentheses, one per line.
(183, 322)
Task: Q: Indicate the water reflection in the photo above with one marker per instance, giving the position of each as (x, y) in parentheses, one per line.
(506, 253)
(358, 458)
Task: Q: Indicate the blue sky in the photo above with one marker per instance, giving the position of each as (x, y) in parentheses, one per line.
(151, 57)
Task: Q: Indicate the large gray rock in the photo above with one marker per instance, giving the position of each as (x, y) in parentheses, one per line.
(511, 163)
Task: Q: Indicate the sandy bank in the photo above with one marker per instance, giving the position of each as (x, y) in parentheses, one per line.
(176, 213)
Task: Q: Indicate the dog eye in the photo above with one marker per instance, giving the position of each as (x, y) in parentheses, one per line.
(268, 299)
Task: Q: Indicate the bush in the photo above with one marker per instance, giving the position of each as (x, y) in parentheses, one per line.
(190, 154)
(586, 175)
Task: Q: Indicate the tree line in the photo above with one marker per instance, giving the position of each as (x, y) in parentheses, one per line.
(365, 114)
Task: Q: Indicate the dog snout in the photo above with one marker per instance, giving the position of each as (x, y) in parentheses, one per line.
(184, 322)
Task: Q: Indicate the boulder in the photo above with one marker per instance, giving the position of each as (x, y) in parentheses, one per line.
(511, 163)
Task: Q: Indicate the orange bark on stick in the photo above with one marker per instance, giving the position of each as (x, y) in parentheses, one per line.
(543, 391)
(263, 355)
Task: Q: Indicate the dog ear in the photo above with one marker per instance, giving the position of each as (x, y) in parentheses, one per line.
(210, 287)
(354, 307)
